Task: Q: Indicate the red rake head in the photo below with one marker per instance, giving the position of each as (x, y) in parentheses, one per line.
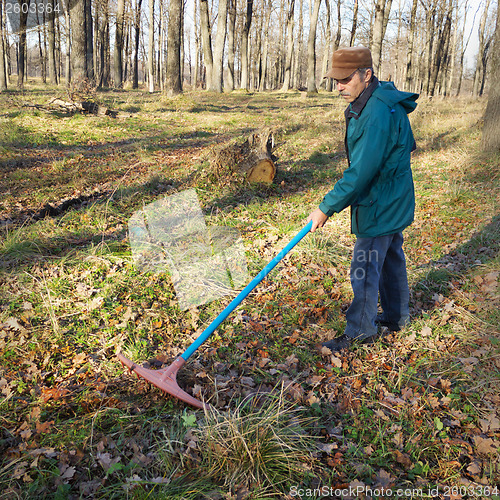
(164, 379)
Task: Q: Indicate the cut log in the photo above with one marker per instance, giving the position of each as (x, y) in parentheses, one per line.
(252, 159)
(82, 107)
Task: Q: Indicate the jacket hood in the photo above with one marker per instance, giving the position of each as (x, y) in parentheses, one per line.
(390, 95)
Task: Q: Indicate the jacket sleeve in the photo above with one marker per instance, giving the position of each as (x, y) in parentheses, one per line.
(368, 151)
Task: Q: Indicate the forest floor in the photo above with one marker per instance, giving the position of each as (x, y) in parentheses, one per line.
(414, 415)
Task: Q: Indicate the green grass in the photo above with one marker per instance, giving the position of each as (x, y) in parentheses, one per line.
(411, 408)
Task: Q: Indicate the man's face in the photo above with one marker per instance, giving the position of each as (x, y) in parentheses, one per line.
(351, 87)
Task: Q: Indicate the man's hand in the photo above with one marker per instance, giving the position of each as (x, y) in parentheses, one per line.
(318, 219)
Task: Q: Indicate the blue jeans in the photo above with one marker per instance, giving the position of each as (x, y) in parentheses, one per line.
(378, 266)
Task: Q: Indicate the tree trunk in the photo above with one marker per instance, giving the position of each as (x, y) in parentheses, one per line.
(151, 47)
(67, 22)
(89, 43)
(482, 43)
(311, 49)
(289, 47)
(265, 49)
(118, 50)
(3, 68)
(230, 81)
(137, 32)
(453, 57)
(174, 37)
(328, 42)
(78, 41)
(354, 23)
(440, 52)
(491, 130)
(409, 84)
(206, 41)
(51, 32)
(43, 66)
(378, 33)
(21, 66)
(338, 36)
(220, 41)
(244, 46)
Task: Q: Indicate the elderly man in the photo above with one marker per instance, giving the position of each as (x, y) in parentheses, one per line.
(378, 186)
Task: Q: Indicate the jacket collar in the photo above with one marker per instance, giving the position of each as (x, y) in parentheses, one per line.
(355, 108)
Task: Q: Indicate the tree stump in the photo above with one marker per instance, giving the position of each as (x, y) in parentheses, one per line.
(252, 159)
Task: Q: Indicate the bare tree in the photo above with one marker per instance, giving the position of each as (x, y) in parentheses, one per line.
(174, 80)
(411, 46)
(354, 23)
(151, 47)
(231, 45)
(382, 11)
(483, 50)
(118, 49)
(137, 32)
(220, 40)
(444, 28)
(89, 43)
(21, 65)
(3, 69)
(265, 49)
(51, 34)
(328, 42)
(78, 41)
(311, 48)
(244, 46)
(206, 42)
(289, 46)
(491, 130)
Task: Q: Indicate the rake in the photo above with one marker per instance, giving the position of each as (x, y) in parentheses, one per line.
(166, 378)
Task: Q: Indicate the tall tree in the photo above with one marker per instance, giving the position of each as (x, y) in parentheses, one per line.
(491, 130)
(444, 28)
(67, 23)
(220, 40)
(206, 42)
(23, 19)
(174, 37)
(265, 48)
(481, 51)
(89, 44)
(411, 46)
(51, 34)
(3, 69)
(328, 42)
(78, 41)
(151, 46)
(289, 46)
(137, 32)
(381, 17)
(245, 80)
(354, 23)
(118, 49)
(311, 48)
(231, 38)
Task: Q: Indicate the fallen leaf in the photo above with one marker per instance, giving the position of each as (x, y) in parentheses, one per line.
(403, 459)
(485, 445)
(337, 362)
(474, 468)
(43, 427)
(426, 331)
(489, 424)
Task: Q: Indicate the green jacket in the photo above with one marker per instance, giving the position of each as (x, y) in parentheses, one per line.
(378, 184)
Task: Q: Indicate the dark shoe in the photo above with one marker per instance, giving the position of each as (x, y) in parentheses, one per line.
(339, 343)
(386, 324)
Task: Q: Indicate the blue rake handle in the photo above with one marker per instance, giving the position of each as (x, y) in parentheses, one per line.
(243, 294)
